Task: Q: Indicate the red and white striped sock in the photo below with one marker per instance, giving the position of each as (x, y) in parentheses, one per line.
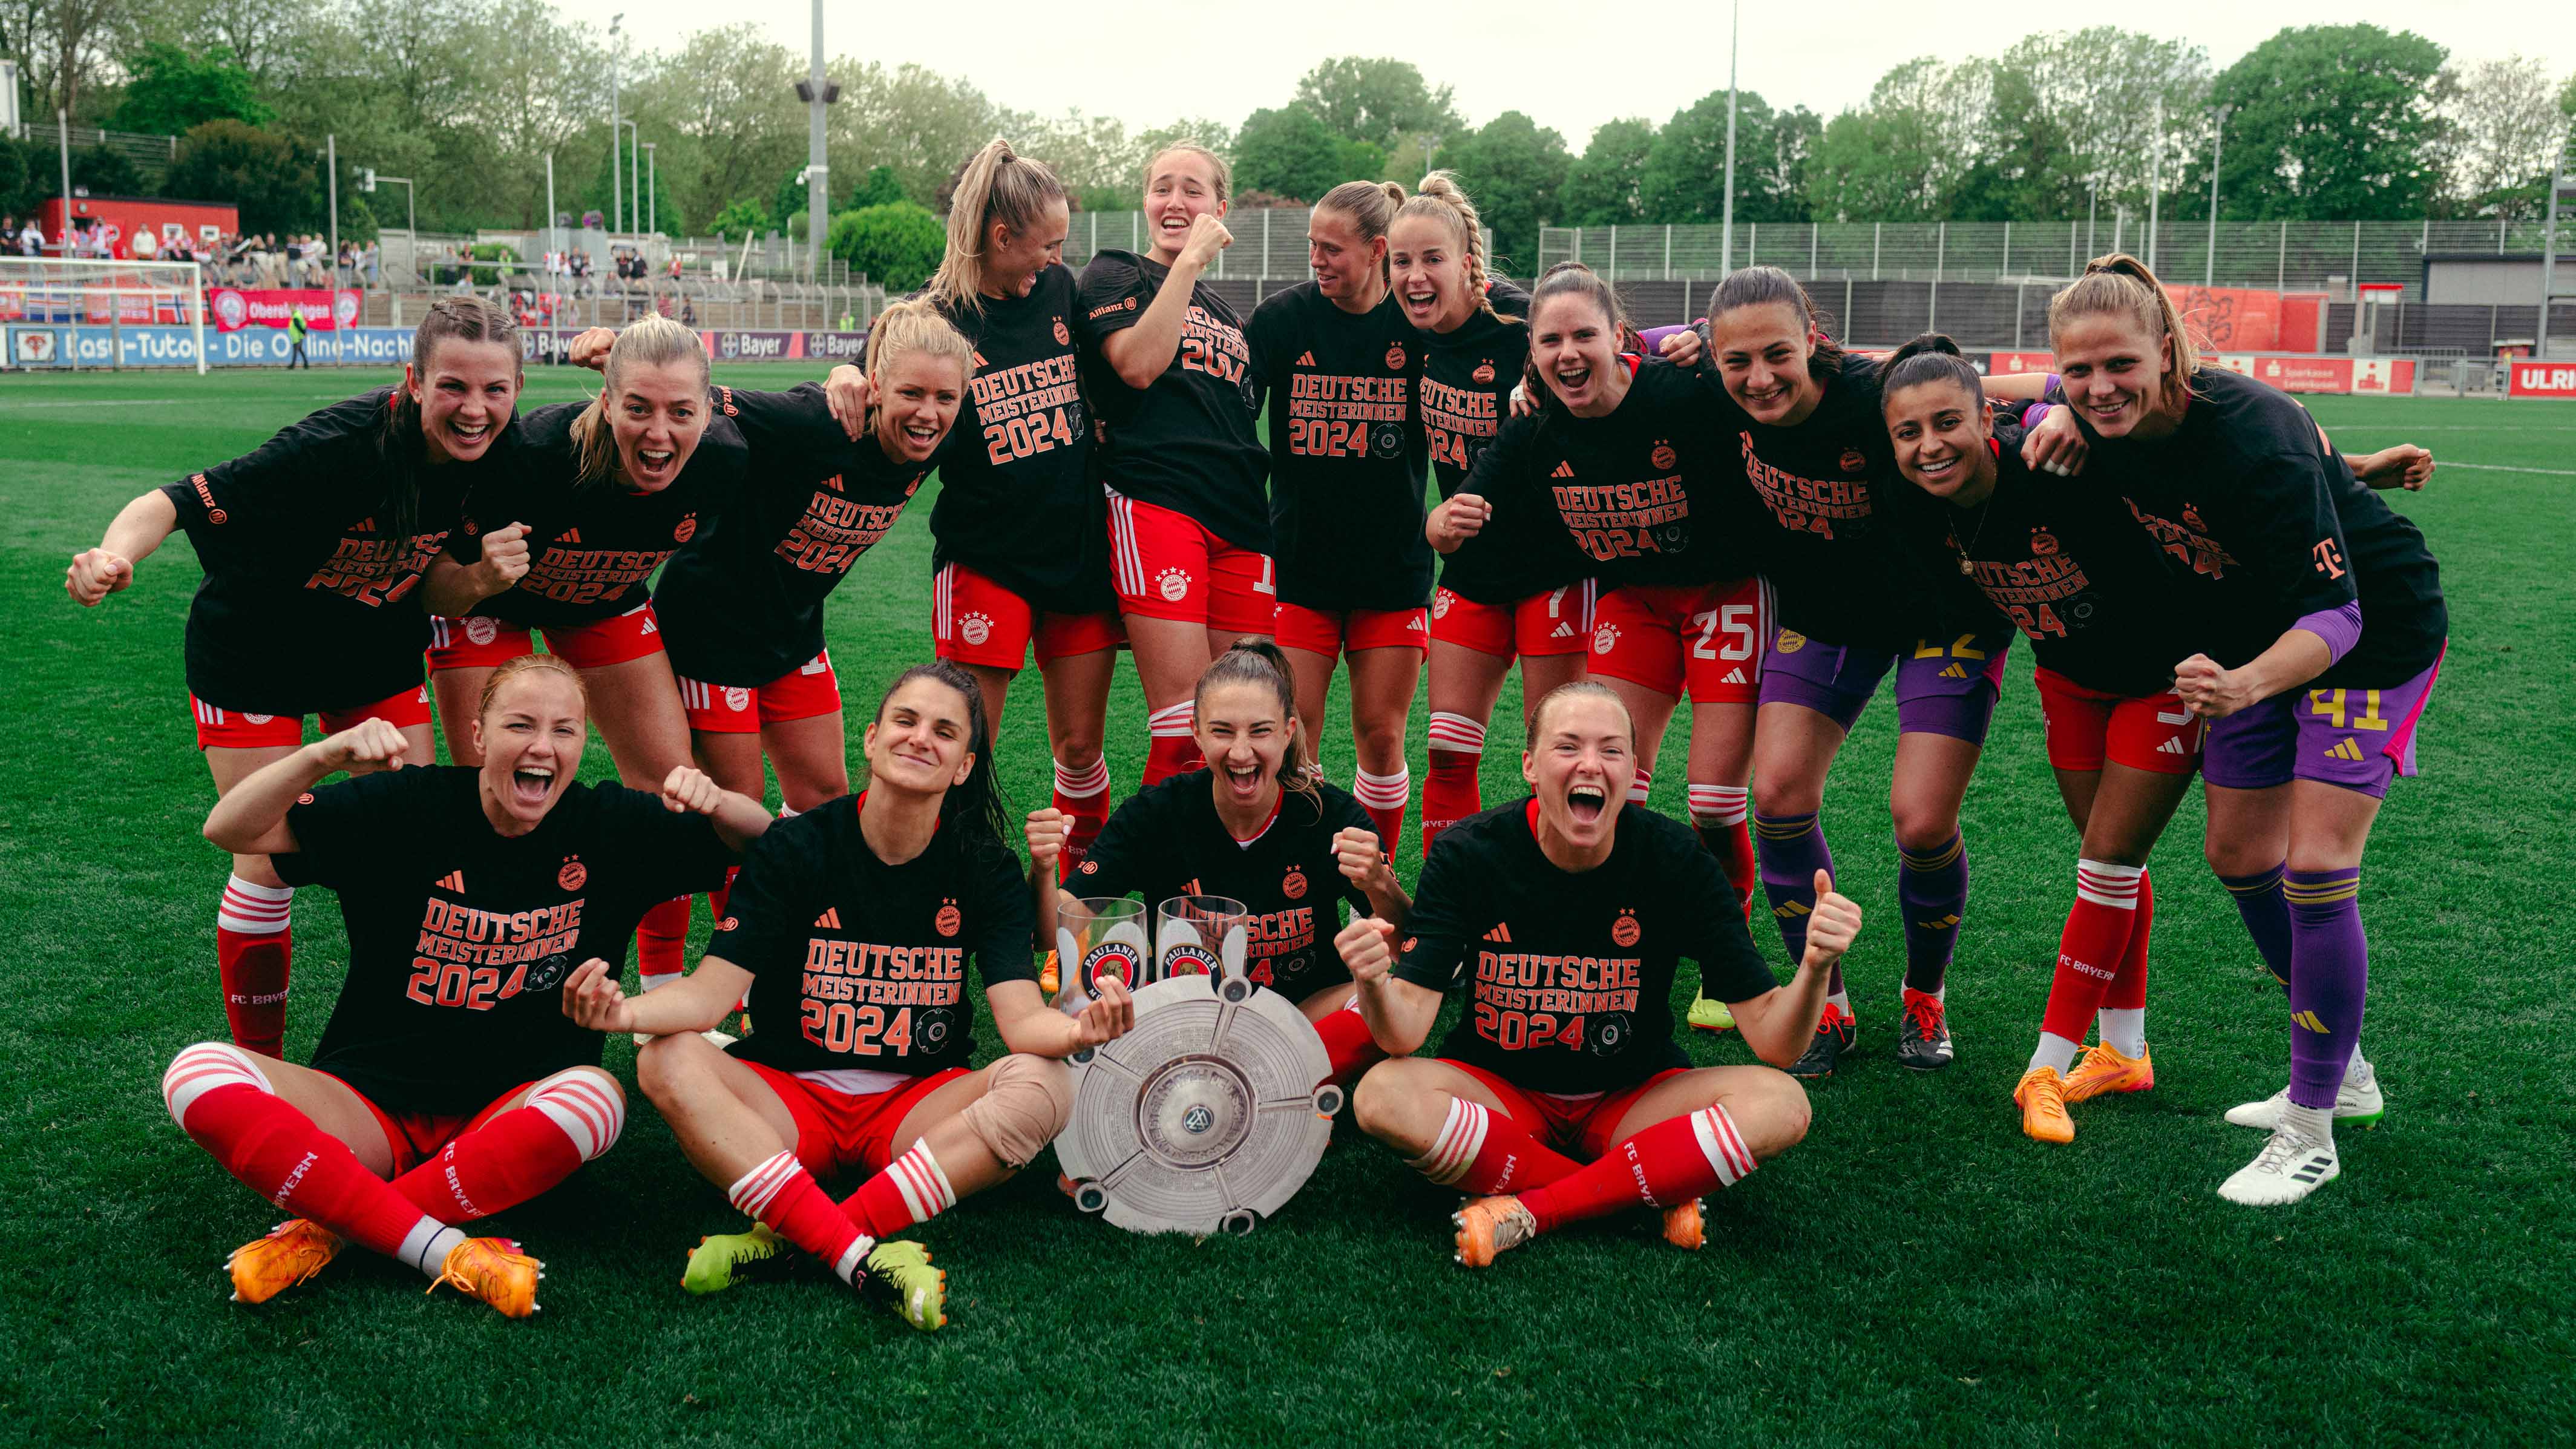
(1671, 1162)
(570, 1118)
(662, 943)
(1384, 797)
(781, 1193)
(1450, 790)
(1169, 749)
(1348, 1043)
(1084, 795)
(1642, 786)
(1480, 1150)
(219, 1096)
(254, 951)
(1719, 813)
(2089, 949)
(911, 1190)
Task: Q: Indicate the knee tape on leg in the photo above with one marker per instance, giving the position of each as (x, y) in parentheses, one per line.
(1026, 1102)
(202, 1068)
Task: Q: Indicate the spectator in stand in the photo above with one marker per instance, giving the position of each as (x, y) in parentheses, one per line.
(31, 239)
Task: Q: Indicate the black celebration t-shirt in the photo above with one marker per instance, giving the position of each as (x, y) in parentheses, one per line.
(1166, 841)
(872, 955)
(1019, 493)
(1186, 443)
(742, 603)
(1817, 484)
(2262, 524)
(460, 937)
(1347, 457)
(2061, 562)
(1646, 495)
(1467, 378)
(1570, 974)
(310, 602)
(592, 546)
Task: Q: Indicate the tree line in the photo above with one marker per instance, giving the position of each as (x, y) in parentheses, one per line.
(471, 98)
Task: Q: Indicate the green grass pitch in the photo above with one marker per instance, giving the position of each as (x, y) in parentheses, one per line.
(1917, 1269)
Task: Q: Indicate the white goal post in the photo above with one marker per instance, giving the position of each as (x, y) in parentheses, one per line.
(77, 312)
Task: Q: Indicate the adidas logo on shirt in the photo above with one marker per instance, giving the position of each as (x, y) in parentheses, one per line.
(1501, 935)
(1564, 630)
(454, 880)
(570, 535)
(1307, 360)
(1563, 470)
(1733, 676)
(828, 921)
(2171, 747)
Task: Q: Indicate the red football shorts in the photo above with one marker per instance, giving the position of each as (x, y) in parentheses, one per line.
(809, 690)
(1582, 1127)
(1708, 638)
(841, 1132)
(416, 1137)
(1330, 632)
(1167, 565)
(2087, 726)
(227, 729)
(480, 642)
(1538, 627)
(974, 620)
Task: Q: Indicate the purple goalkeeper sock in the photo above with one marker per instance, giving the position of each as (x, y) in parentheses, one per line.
(1792, 850)
(2329, 979)
(2267, 917)
(1932, 888)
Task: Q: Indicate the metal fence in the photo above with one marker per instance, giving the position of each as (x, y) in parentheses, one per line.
(150, 154)
(2310, 256)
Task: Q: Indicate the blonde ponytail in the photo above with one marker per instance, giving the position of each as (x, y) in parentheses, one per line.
(998, 185)
(2120, 285)
(1441, 198)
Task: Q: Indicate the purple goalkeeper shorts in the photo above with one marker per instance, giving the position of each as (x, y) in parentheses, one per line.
(1942, 689)
(2357, 738)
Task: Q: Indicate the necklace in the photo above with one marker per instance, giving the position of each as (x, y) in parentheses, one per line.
(1968, 569)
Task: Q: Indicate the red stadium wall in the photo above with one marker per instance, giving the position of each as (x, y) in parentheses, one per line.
(2544, 379)
(2387, 376)
(2231, 319)
(125, 215)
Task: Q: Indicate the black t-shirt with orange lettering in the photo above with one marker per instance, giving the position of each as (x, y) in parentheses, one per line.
(1019, 494)
(309, 602)
(1467, 378)
(1646, 495)
(743, 602)
(1837, 576)
(1186, 443)
(592, 546)
(2261, 524)
(857, 964)
(1570, 974)
(2063, 563)
(1347, 456)
(1166, 841)
(460, 937)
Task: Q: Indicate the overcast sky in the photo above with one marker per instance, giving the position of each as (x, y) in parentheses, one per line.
(1570, 65)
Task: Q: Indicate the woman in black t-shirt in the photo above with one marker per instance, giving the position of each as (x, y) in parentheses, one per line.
(448, 1066)
(2321, 629)
(314, 548)
(1254, 826)
(852, 926)
(1625, 458)
(1499, 596)
(2073, 572)
(1339, 367)
(611, 488)
(1565, 917)
(1165, 361)
(1019, 537)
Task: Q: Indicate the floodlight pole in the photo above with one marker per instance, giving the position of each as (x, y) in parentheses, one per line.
(1726, 230)
(2217, 149)
(652, 197)
(2155, 179)
(63, 126)
(331, 265)
(634, 203)
(818, 190)
(616, 202)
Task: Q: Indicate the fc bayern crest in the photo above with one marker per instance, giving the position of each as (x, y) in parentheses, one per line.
(1063, 338)
(687, 529)
(572, 876)
(2042, 542)
(1664, 456)
(1395, 357)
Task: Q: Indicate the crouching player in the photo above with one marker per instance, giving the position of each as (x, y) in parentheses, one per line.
(1231, 829)
(1561, 1095)
(855, 921)
(447, 1066)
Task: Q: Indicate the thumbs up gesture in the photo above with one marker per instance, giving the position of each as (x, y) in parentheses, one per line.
(1831, 927)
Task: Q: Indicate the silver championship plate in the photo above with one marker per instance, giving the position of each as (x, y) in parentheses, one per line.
(1207, 1116)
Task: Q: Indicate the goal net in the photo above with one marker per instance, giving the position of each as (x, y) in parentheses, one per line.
(58, 312)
